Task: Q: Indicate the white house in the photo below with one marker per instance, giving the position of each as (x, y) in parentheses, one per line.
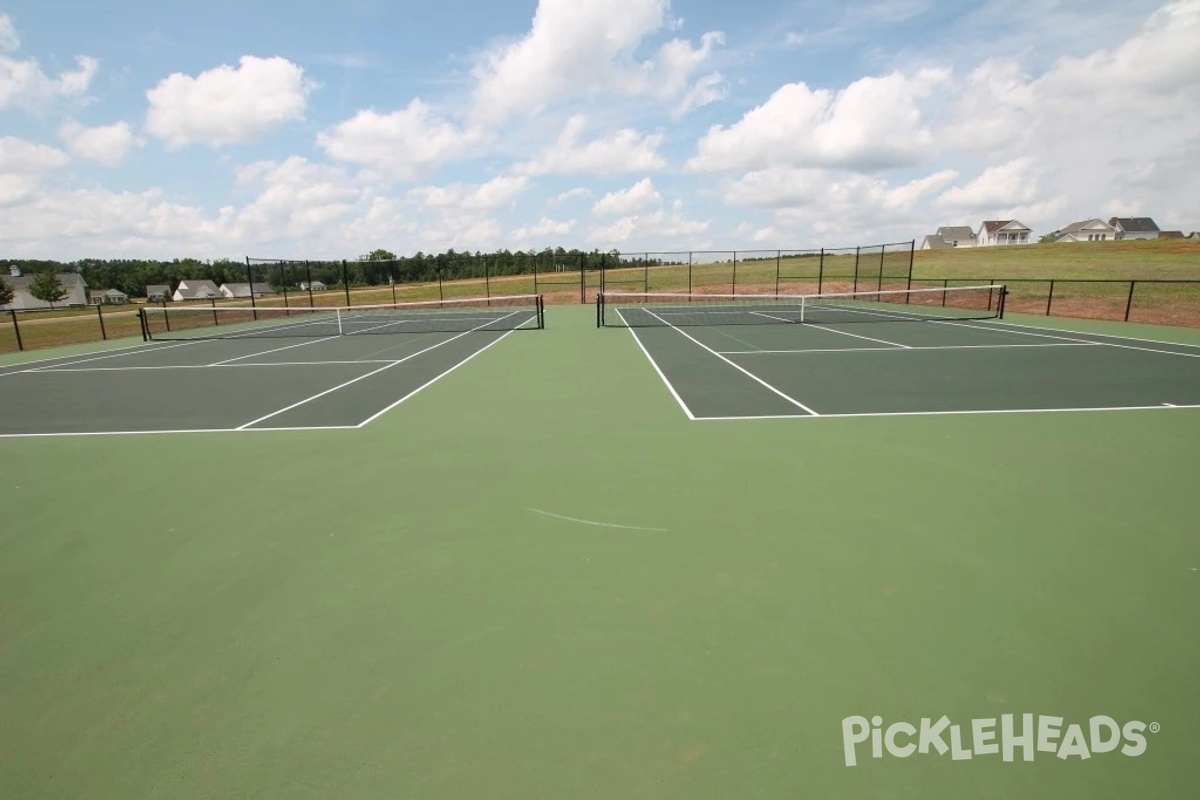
(316, 286)
(109, 297)
(196, 290)
(24, 301)
(1001, 232)
(157, 292)
(1087, 230)
(1134, 227)
(232, 290)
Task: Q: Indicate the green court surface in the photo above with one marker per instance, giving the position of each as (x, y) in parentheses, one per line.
(542, 564)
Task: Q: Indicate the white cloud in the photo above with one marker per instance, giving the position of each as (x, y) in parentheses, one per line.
(490, 196)
(628, 201)
(227, 105)
(622, 150)
(574, 49)
(1001, 185)
(105, 144)
(295, 197)
(795, 39)
(874, 123)
(22, 164)
(543, 231)
(9, 41)
(578, 193)
(662, 228)
(404, 144)
(24, 85)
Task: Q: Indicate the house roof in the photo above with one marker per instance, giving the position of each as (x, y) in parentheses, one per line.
(1170, 234)
(68, 280)
(934, 242)
(952, 232)
(1086, 224)
(258, 287)
(1134, 224)
(155, 288)
(108, 293)
(994, 225)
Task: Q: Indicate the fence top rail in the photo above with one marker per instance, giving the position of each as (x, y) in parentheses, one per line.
(1063, 280)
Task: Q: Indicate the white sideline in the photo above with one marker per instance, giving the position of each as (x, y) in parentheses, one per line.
(657, 369)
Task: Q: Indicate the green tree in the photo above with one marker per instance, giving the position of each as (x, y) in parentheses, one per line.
(6, 293)
(379, 255)
(46, 287)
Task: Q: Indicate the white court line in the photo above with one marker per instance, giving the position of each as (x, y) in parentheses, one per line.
(1069, 339)
(954, 412)
(740, 369)
(657, 369)
(597, 524)
(429, 383)
(275, 350)
(60, 434)
(1085, 333)
(143, 349)
(360, 377)
(158, 367)
(913, 348)
(846, 333)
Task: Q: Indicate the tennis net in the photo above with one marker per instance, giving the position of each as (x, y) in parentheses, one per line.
(502, 313)
(657, 309)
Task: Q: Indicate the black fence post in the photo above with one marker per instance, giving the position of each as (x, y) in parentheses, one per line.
(1050, 297)
(441, 296)
(778, 256)
(100, 315)
(821, 271)
(882, 255)
(690, 254)
(582, 279)
(856, 254)
(645, 272)
(212, 302)
(945, 286)
(346, 281)
(250, 277)
(487, 277)
(145, 328)
(16, 328)
(1129, 301)
(733, 285)
(308, 282)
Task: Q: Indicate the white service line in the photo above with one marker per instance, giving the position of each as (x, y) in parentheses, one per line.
(740, 369)
(1071, 339)
(909, 349)
(953, 413)
(273, 350)
(363, 377)
(657, 369)
(162, 367)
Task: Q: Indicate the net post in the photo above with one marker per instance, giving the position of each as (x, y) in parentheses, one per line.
(1003, 301)
(142, 324)
(821, 272)
(1129, 300)
(599, 309)
(346, 280)
(100, 315)
(1050, 297)
(541, 310)
(882, 256)
(912, 249)
(250, 277)
(16, 328)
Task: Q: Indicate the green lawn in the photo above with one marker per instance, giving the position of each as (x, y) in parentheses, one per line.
(381, 613)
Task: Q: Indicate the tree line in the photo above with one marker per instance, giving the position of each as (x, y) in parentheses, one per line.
(378, 267)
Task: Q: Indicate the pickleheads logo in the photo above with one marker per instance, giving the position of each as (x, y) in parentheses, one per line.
(982, 737)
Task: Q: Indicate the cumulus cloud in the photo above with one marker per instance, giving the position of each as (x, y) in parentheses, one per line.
(578, 193)
(404, 144)
(9, 41)
(628, 201)
(661, 228)
(575, 49)
(104, 144)
(622, 150)
(543, 231)
(872, 124)
(22, 164)
(296, 195)
(489, 196)
(227, 105)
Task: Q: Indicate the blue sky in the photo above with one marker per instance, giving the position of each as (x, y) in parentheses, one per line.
(271, 129)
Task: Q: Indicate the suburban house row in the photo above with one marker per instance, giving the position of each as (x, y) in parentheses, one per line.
(77, 293)
(994, 232)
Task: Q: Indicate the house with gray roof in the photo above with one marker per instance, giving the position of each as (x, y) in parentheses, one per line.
(1086, 230)
(244, 290)
(157, 292)
(196, 290)
(24, 301)
(1134, 227)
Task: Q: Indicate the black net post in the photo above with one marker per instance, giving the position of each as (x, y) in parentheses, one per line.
(346, 281)
(308, 282)
(912, 249)
(100, 316)
(599, 309)
(1129, 300)
(16, 328)
(145, 327)
(250, 277)
(821, 271)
